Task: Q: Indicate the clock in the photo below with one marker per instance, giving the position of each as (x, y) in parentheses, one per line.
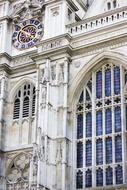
(27, 34)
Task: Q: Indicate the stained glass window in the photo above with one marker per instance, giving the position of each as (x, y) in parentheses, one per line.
(99, 124)
(88, 124)
(79, 155)
(108, 150)
(79, 180)
(117, 80)
(117, 119)
(119, 174)
(88, 153)
(118, 148)
(108, 82)
(99, 84)
(99, 177)
(99, 128)
(108, 121)
(88, 178)
(80, 126)
(109, 176)
(99, 152)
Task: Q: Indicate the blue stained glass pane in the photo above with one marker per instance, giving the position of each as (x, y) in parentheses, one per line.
(109, 176)
(118, 149)
(89, 84)
(119, 174)
(87, 96)
(125, 77)
(79, 126)
(79, 180)
(108, 150)
(108, 82)
(108, 121)
(88, 153)
(89, 125)
(88, 178)
(117, 80)
(99, 84)
(81, 97)
(79, 155)
(117, 119)
(99, 123)
(99, 177)
(99, 152)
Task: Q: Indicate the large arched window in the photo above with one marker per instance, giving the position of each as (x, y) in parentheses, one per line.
(101, 129)
(24, 102)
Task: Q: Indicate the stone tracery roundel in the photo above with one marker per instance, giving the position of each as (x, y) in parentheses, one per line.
(18, 170)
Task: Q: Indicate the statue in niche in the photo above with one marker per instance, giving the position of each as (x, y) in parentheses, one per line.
(59, 153)
(61, 73)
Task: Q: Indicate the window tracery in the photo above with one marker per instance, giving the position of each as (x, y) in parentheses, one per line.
(24, 102)
(101, 128)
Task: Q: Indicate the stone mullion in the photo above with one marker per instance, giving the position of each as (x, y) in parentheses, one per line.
(112, 99)
(123, 125)
(21, 115)
(93, 131)
(84, 139)
(103, 124)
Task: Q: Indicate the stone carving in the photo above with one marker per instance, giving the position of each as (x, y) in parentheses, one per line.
(53, 73)
(59, 153)
(26, 9)
(61, 73)
(55, 11)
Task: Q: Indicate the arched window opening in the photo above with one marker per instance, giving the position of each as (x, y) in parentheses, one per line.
(101, 128)
(26, 107)
(24, 103)
(114, 4)
(108, 5)
(16, 113)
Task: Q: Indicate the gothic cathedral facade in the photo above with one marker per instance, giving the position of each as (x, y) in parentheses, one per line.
(63, 94)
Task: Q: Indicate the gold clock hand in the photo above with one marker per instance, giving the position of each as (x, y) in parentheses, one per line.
(27, 34)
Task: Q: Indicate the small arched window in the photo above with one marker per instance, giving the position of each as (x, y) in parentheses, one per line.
(24, 102)
(114, 4)
(108, 5)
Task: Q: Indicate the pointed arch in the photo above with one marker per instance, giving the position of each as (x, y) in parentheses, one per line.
(83, 74)
(18, 84)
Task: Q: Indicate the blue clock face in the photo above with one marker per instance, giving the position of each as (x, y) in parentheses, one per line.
(27, 34)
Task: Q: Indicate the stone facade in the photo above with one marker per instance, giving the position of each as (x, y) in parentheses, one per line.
(38, 147)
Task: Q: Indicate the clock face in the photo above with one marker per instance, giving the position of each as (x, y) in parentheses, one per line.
(27, 34)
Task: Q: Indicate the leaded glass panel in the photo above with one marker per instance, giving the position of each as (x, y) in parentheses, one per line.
(108, 82)
(79, 155)
(99, 177)
(99, 123)
(88, 178)
(80, 126)
(117, 119)
(116, 80)
(99, 152)
(119, 174)
(99, 84)
(79, 180)
(89, 124)
(88, 153)
(108, 121)
(118, 148)
(108, 150)
(109, 176)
